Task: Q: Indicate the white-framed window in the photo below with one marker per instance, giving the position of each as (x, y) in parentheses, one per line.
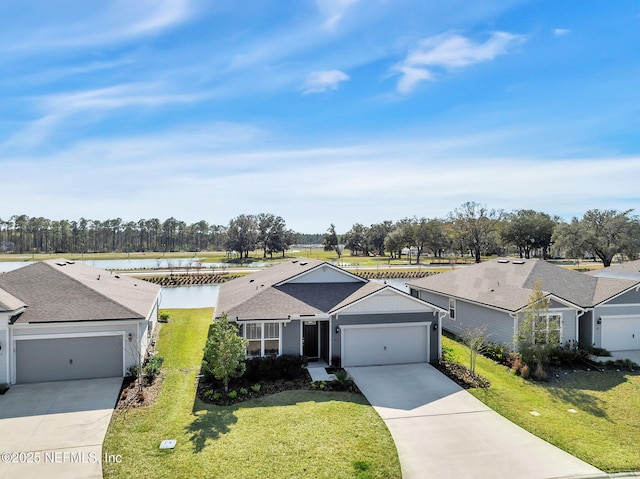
(264, 339)
(547, 329)
(452, 308)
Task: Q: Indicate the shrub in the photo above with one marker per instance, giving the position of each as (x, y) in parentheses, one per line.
(152, 367)
(275, 368)
(342, 378)
(599, 351)
(232, 394)
(497, 352)
(256, 388)
(568, 353)
(164, 317)
(524, 371)
(224, 352)
(244, 391)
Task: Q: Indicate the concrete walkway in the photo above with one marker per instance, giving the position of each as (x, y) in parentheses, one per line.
(442, 431)
(55, 430)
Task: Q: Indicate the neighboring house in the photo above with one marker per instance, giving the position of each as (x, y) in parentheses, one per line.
(312, 308)
(62, 320)
(599, 311)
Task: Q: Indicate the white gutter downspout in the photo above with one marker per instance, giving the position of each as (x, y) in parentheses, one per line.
(515, 328)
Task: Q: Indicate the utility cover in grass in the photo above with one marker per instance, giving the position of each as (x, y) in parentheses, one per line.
(168, 444)
(534, 413)
(572, 410)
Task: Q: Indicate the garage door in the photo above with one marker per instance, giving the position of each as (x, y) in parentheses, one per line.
(621, 333)
(68, 358)
(369, 345)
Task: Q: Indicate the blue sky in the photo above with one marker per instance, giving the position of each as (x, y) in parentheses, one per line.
(319, 111)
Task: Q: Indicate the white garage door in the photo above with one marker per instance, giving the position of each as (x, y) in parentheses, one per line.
(60, 359)
(369, 345)
(620, 333)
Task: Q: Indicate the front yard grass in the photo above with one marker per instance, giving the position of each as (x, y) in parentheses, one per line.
(603, 432)
(297, 434)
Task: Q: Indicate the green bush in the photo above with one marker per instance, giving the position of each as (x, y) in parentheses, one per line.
(152, 367)
(164, 316)
(233, 394)
(244, 391)
(497, 352)
(568, 353)
(271, 368)
(256, 388)
(342, 378)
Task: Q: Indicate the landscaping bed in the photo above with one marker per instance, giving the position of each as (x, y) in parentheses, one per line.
(462, 376)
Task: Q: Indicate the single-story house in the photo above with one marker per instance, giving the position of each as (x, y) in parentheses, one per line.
(595, 311)
(315, 309)
(63, 320)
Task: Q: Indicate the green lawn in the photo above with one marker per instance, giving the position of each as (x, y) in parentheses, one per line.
(605, 430)
(297, 434)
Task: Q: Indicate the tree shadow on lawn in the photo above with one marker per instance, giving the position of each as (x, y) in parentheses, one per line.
(213, 421)
(577, 392)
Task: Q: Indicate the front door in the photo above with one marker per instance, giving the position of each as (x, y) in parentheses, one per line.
(310, 339)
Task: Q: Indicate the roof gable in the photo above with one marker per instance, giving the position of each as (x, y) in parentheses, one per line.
(386, 299)
(324, 273)
(8, 302)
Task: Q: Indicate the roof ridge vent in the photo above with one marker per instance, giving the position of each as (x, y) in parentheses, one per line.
(303, 263)
(503, 261)
(295, 261)
(518, 261)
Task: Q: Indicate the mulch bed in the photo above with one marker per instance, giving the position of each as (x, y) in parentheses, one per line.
(462, 376)
(208, 388)
(131, 396)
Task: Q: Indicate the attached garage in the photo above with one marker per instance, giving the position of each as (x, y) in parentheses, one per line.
(56, 359)
(620, 333)
(374, 344)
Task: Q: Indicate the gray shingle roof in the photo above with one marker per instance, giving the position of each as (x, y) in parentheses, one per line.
(507, 284)
(261, 296)
(60, 291)
(9, 302)
(629, 270)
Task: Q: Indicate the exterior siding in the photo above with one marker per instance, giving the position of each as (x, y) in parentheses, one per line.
(4, 354)
(385, 301)
(291, 338)
(586, 329)
(325, 274)
(344, 319)
(630, 297)
(437, 299)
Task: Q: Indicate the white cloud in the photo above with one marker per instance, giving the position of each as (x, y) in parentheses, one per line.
(450, 51)
(561, 31)
(334, 11)
(318, 82)
(114, 21)
(58, 109)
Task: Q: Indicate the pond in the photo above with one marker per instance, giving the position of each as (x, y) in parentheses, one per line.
(202, 296)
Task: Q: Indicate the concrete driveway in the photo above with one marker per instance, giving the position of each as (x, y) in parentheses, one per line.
(55, 430)
(442, 431)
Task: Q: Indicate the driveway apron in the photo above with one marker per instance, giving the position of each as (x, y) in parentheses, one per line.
(442, 431)
(55, 430)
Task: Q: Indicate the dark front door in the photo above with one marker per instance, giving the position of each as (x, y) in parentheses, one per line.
(310, 339)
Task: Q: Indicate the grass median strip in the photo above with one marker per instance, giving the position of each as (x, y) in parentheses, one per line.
(301, 434)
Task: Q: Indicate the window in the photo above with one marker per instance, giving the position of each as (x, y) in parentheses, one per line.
(264, 339)
(547, 329)
(452, 308)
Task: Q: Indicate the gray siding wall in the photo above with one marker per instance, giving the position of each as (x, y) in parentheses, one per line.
(385, 318)
(437, 299)
(291, 338)
(4, 355)
(586, 329)
(630, 297)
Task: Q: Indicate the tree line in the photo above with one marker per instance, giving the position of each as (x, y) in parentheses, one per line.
(472, 229)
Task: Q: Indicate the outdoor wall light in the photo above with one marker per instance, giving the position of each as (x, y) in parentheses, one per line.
(130, 337)
(435, 326)
(337, 329)
(599, 321)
